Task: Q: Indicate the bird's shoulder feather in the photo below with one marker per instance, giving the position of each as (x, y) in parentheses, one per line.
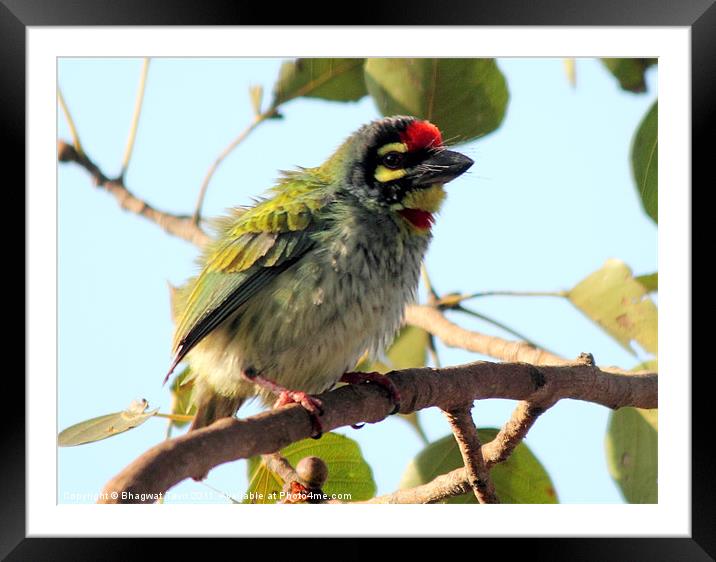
(252, 246)
(267, 229)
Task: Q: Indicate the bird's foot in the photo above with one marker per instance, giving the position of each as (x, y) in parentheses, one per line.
(295, 493)
(375, 378)
(311, 404)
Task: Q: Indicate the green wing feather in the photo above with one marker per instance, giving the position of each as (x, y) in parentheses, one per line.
(252, 247)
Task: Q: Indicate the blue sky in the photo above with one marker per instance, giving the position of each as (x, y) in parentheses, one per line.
(549, 199)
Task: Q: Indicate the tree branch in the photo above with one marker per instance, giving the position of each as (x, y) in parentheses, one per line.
(258, 119)
(280, 466)
(433, 321)
(498, 450)
(468, 441)
(515, 430)
(179, 226)
(443, 487)
(229, 439)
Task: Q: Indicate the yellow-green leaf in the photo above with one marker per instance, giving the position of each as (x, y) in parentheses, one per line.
(629, 72)
(348, 472)
(330, 79)
(632, 453)
(520, 479)
(632, 449)
(264, 484)
(102, 427)
(619, 303)
(465, 98)
(182, 388)
(408, 350)
(645, 162)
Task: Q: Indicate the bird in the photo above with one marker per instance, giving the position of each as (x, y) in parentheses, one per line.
(293, 290)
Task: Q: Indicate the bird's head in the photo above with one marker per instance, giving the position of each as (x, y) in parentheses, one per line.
(399, 165)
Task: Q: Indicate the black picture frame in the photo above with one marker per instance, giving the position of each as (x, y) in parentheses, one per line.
(698, 15)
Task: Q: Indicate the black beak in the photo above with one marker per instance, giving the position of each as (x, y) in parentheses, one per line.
(442, 167)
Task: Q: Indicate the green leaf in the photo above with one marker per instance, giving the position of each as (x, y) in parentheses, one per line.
(645, 162)
(102, 427)
(348, 472)
(649, 281)
(631, 446)
(632, 453)
(465, 98)
(329, 79)
(409, 350)
(618, 303)
(264, 484)
(182, 388)
(630, 72)
(520, 479)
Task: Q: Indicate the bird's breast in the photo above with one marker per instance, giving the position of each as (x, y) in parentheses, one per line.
(344, 297)
(370, 272)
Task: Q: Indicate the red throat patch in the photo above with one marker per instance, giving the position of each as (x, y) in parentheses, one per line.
(421, 134)
(418, 218)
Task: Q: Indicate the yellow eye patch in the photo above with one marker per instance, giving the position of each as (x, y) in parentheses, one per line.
(392, 147)
(383, 174)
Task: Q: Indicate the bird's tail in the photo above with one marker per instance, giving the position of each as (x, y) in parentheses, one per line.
(211, 406)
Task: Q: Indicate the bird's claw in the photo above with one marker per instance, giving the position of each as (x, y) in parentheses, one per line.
(379, 379)
(312, 405)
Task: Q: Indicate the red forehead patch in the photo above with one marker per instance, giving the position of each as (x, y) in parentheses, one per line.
(421, 134)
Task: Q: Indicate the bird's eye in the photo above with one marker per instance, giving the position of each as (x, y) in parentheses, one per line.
(392, 160)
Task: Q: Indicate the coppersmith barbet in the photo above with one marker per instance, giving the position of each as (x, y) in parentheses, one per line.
(293, 290)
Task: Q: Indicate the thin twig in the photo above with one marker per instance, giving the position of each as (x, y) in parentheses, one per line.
(70, 122)
(434, 322)
(433, 351)
(135, 119)
(453, 299)
(258, 119)
(500, 325)
(179, 226)
(433, 295)
(468, 441)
